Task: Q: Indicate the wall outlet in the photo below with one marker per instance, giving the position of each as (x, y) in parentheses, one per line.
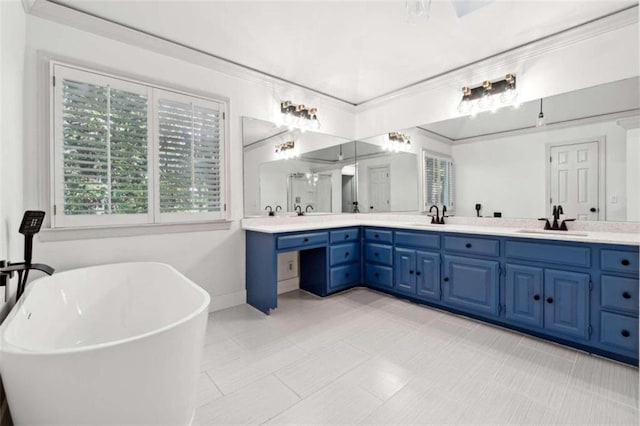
(614, 199)
(290, 265)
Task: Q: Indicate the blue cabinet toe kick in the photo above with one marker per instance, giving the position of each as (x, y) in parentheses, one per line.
(582, 295)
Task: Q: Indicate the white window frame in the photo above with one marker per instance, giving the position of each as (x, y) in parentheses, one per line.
(430, 154)
(58, 71)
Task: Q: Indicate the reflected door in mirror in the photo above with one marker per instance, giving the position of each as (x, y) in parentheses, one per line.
(379, 189)
(574, 179)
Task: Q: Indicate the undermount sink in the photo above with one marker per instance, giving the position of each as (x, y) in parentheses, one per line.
(546, 231)
(426, 224)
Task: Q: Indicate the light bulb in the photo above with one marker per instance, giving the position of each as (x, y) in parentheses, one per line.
(541, 120)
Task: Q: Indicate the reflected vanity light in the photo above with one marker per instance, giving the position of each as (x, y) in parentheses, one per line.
(489, 96)
(287, 150)
(297, 117)
(397, 142)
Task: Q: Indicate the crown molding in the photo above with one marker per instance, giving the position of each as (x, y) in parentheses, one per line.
(67, 15)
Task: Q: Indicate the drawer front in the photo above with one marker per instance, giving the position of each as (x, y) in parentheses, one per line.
(619, 331)
(378, 276)
(549, 253)
(417, 239)
(378, 235)
(378, 253)
(344, 253)
(342, 276)
(344, 235)
(619, 293)
(619, 261)
(472, 246)
(301, 240)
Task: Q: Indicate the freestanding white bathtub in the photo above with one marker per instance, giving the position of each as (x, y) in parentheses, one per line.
(116, 344)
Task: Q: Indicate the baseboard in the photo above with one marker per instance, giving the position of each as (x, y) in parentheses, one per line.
(291, 284)
(225, 301)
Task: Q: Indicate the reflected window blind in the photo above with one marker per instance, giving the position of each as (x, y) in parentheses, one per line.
(190, 158)
(438, 183)
(104, 141)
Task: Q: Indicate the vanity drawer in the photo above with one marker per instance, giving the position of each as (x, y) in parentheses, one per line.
(417, 239)
(344, 235)
(378, 235)
(378, 253)
(620, 331)
(342, 276)
(301, 240)
(477, 246)
(549, 253)
(619, 293)
(344, 253)
(619, 261)
(378, 276)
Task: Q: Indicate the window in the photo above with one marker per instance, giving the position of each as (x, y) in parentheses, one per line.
(438, 181)
(130, 153)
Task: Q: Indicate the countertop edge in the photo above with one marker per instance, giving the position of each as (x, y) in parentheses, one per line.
(592, 237)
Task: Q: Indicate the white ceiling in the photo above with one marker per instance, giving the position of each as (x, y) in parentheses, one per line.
(352, 50)
(616, 97)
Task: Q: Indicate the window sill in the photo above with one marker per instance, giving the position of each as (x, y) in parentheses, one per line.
(89, 233)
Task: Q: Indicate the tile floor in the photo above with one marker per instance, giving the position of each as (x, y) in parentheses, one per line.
(365, 357)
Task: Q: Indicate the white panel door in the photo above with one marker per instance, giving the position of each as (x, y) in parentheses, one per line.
(574, 180)
(379, 189)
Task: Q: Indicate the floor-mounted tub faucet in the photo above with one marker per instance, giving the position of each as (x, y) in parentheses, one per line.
(31, 223)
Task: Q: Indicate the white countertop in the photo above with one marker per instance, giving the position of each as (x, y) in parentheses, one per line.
(504, 228)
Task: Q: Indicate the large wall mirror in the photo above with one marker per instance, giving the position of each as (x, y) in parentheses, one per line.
(585, 156)
(288, 171)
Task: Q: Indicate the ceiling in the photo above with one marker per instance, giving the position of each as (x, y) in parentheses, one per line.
(616, 97)
(351, 50)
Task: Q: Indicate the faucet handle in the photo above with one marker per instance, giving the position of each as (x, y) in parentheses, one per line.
(547, 225)
(563, 226)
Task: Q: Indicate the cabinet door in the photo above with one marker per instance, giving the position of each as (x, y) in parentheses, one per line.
(471, 284)
(404, 266)
(428, 275)
(523, 295)
(566, 297)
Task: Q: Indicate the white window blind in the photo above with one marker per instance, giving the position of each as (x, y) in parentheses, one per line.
(438, 181)
(189, 157)
(112, 165)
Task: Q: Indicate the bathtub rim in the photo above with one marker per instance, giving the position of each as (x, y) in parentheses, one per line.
(9, 348)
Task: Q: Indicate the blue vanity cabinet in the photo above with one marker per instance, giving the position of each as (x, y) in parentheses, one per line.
(523, 294)
(471, 285)
(566, 298)
(344, 259)
(417, 271)
(378, 258)
(616, 308)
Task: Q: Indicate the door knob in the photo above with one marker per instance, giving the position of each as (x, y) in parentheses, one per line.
(593, 210)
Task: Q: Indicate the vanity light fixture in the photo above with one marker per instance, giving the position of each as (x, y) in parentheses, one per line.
(297, 117)
(340, 156)
(489, 96)
(287, 150)
(541, 122)
(397, 142)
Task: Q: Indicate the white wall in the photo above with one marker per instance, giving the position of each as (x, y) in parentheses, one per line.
(581, 58)
(633, 175)
(12, 44)
(213, 259)
(508, 174)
